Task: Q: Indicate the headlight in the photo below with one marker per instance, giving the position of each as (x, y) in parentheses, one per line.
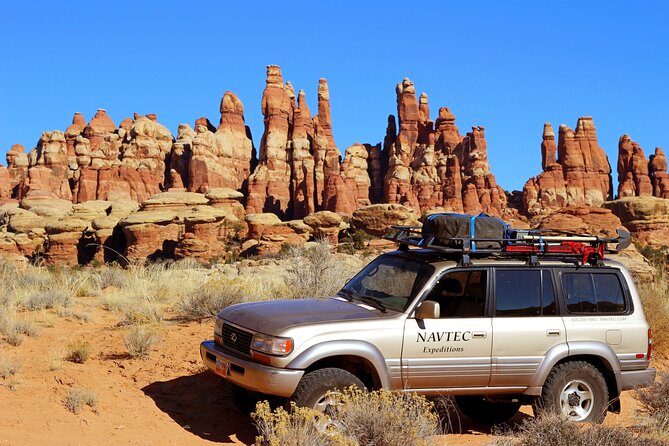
(272, 345)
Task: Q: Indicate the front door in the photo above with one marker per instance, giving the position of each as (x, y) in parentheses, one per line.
(454, 350)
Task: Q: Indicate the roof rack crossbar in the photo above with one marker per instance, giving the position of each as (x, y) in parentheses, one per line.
(532, 243)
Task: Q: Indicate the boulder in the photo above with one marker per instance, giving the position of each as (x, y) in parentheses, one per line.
(377, 219)
(326, 225)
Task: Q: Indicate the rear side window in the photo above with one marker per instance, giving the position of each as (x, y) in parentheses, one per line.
(520, 293)
(593, 293)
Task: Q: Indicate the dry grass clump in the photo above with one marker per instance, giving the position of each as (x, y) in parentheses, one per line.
(140, 339)
(9, 367)
(220, 291)
(553, 430)
(77, 398)
(655, 300)
(79, 351)
(56, 357)
(14, 329)
(379, 418)
(314, 271)
(654, 402)
(47, 299)
(143, 294)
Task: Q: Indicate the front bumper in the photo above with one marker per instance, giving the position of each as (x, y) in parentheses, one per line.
(636, 379)
(251, 375)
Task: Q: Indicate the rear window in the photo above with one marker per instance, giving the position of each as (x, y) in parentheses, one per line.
(593, 293)
(522, 293)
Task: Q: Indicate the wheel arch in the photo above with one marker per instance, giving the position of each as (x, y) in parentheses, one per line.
(357, 357)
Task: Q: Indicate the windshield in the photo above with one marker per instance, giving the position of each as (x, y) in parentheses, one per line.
(389, 282)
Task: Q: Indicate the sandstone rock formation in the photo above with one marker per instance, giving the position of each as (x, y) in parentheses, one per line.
(269, 185)
(580, 175)
(638, 176)
(432, 166)
(221, 158)
(139, 192)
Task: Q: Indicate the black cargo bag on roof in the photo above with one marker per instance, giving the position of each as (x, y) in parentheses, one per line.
(445, 227)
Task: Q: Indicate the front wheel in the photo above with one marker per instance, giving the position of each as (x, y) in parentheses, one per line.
(480, 410)
(316, 389)
(577, 391)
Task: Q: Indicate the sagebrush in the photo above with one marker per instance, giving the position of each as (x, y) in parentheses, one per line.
(379, 418)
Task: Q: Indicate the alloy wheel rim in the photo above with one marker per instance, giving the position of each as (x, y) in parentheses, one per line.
(577, 400)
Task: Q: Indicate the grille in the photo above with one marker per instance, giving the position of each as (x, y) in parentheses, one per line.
(236, 341)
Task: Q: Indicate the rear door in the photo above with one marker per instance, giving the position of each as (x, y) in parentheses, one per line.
(597, 306)
(526, 324)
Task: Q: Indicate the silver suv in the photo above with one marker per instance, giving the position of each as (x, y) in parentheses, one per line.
(497, 332)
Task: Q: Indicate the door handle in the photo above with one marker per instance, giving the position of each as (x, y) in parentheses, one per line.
(553, 332)
(479, 334)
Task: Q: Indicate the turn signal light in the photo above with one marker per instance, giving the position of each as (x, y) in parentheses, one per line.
(258, 357)
(650, 344)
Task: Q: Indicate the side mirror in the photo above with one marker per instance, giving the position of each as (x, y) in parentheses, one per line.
(428, 309)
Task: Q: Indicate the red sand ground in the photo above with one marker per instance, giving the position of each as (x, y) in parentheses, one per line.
(168, 399)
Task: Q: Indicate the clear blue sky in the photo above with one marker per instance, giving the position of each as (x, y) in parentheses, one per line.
(508, 66)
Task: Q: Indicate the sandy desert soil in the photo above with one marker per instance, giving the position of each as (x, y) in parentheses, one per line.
(168, 399)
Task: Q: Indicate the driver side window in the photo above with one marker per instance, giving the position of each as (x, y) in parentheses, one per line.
(461, 294)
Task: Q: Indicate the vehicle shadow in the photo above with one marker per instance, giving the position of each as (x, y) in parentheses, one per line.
(203, 405)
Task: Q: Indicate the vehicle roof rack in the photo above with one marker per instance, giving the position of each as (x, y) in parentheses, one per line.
(532, 244)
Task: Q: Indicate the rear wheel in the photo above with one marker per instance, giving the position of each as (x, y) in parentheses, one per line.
(481, 410)
(577, 391)
(318, 389)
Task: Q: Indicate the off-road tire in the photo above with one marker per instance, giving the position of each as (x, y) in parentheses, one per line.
(558, 382)
(314, 386)
(480, 410)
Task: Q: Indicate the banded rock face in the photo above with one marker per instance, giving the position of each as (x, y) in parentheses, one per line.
(580, 175)
(646, 217)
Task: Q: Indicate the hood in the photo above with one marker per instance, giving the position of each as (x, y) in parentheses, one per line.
(272, 316)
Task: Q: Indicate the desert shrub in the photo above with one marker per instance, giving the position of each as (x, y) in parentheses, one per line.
(9, 367)
(385, 418)
(140, 339)
(380, 418)
(14, 338)
(206, 301)
(299, 427)
(655, 300)
(25, 327)
(76, 399)
(111, 277)
(79, 351)
(314, 271)
(654, 404)
(142, 311)
(47, 299)
(553, 430)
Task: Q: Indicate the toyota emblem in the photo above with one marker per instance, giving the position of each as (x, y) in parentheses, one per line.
(233, 337)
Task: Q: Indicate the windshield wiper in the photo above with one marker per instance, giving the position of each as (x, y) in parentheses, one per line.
(373, 302)
(346, 294)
